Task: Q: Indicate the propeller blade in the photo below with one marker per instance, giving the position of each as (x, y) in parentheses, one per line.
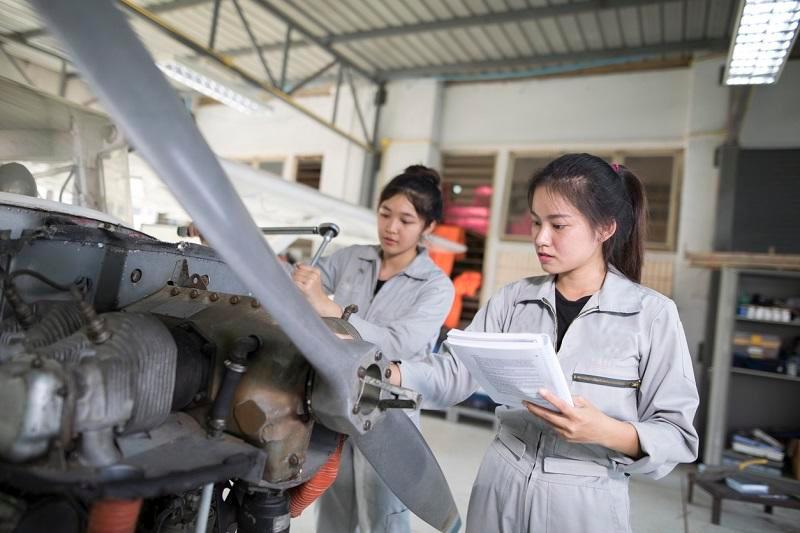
(132, 89)
(423, 487)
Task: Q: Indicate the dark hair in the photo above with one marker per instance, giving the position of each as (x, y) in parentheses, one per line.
(603, 193)
(421, 185)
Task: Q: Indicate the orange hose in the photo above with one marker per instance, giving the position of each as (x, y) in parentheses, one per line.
(114, 516)
(304, 495)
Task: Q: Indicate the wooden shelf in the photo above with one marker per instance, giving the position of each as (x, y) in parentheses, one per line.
(763, 374)
(770, 322)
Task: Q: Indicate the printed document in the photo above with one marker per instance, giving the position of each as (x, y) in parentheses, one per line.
(511, 367)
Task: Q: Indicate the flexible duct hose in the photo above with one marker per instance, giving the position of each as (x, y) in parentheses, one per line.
(304, 495)
(114, 516)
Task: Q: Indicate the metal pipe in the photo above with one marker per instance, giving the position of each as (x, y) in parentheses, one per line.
(311, 77)
(373, 160)
(336, 93)
(322, 229)
(214, 19)
(328, 230)
(357, 105)
(201, 522)
(235, 367)
(285, 62)
(326, 240)
(289, 230)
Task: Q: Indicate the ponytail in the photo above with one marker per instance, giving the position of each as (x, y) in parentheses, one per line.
(626, 251)
(604, 194)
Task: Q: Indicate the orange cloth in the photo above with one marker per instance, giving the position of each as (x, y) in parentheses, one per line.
(466, 284)
(445, 260)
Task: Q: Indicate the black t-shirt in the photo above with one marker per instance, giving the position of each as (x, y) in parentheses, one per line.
(566, 311)
(378, 286)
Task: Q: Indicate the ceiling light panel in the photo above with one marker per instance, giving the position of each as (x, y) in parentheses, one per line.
(765, 33)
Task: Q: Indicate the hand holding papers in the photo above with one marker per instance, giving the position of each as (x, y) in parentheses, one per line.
(511, 367)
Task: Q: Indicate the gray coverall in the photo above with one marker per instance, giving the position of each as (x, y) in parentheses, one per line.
(625, 353)
(403, 320)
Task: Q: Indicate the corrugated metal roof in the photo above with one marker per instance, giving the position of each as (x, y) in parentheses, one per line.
(400, 38)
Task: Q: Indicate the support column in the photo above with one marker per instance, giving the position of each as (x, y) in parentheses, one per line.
(411, 127)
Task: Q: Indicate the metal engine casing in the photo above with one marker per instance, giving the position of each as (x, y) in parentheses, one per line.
(136, 405)
(75, 387)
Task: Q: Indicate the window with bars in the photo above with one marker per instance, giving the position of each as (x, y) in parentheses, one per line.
(660, 174)
(467, 184)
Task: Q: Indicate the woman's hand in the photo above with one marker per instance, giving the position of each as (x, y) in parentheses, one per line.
(586, 423)
(309, 280)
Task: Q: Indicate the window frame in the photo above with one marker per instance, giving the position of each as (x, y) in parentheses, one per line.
(613, 156)
(676, 183)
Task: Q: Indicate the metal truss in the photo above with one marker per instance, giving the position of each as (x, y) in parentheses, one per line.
(275, 86)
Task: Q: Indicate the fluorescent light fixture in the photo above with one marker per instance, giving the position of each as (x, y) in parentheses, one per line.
(208, 84)
(765, 33)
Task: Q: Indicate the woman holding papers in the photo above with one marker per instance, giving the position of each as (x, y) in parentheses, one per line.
(403, 299)
(620, 346)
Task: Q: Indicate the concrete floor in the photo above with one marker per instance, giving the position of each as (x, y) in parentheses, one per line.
(656, 505)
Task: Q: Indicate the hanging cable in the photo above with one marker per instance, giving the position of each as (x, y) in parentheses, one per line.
(66, 182)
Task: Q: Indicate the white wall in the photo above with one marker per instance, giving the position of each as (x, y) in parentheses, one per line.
(286, 134)
(641, 107)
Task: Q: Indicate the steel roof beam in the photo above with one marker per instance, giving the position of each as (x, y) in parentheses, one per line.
(512, 15)
(224, 62)
(498, 17)
(715, 45)
(320, 42)
(17, 39)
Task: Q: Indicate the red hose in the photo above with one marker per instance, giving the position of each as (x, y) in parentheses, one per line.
(304, 495)
(114, 516)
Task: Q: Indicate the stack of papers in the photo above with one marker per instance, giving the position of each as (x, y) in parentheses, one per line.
(511, 367)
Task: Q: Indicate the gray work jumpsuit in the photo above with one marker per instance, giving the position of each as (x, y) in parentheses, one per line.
(625, 353)
(403, 320)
